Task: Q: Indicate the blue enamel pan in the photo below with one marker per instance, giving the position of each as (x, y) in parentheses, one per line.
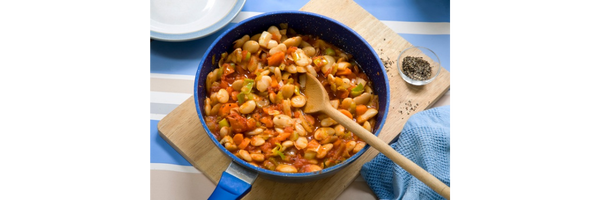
(237, 180)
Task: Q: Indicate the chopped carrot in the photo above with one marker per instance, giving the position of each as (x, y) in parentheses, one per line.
(244, 143)
(291, 50)
(335, 144)
(224, 110)
(282, 136)
(274, 82)
(276, 59)
(346, 112)
(360, 109)
(343, 72)
(238, 138)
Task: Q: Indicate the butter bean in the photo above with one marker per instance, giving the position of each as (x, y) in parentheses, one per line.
(263, 84)
(312, 168)
(370, 113)
(245, 155)
(362, 99)
(247, 107)
(257, 141)
(298, 101)
(237, 85)
(257, 157)
(251, 46)
(322, 152)
(287, 90)
(222, 96)
(286, 168)
(328, 122)
(264, 39)
(359, 146)
(255, 131)
(282, 121)
(301, 142)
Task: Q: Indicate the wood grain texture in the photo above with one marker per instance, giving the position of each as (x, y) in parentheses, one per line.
(182, 129)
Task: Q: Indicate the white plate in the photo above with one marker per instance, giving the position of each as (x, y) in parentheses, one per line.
(180, 20)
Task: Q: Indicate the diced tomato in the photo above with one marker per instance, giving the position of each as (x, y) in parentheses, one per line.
(299, 161)
(224, 84)
(228, 69)
(251, 123)
(267, 121)
(267, 146)
(237, 122)
(342, 94)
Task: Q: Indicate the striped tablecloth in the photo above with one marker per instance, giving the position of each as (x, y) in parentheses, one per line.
(173, 66)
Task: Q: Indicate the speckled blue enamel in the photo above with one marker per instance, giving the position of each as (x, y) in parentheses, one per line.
(303, 23)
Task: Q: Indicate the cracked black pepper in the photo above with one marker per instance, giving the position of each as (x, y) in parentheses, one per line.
(416, 68)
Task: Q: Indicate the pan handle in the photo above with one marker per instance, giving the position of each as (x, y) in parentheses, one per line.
(235, 183)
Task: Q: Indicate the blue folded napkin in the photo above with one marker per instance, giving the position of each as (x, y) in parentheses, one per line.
(425, 140)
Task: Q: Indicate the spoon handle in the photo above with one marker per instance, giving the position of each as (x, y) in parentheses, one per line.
(406, 164)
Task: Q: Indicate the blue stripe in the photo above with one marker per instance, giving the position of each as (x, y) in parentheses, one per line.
(161, 151)
(273, 5)
(408, 10)
(393, 10)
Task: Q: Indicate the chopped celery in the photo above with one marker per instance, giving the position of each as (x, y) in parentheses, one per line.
(294, 136)
(329, 51)
(247, 85)
(359, 89)
(223, 123)
(276, 151)
(241, 97)
(220, 72)
(297, 90)
(279, 97)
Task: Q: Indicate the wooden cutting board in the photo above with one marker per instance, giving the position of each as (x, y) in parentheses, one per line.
(182, 129)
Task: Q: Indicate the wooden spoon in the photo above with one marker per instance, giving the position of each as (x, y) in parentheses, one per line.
(318, 101)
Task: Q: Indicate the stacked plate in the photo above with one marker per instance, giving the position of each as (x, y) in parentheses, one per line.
(182, 20)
